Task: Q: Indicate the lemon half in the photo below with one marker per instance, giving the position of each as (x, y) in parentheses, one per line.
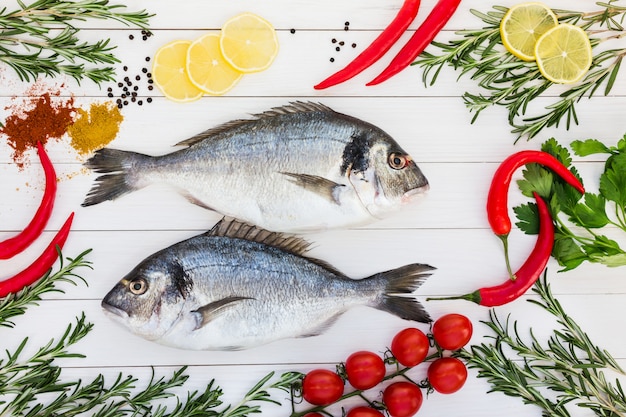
(249, 43)
(564, 54)
(523, 25)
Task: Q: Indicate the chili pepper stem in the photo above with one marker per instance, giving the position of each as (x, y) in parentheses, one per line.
(474, 297)
(507, 260)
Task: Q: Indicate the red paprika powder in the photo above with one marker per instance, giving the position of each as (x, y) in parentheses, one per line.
(29, 124)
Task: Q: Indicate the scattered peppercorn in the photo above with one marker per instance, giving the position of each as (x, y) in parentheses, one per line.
(340, 43)
(130, 86)
(292, 31)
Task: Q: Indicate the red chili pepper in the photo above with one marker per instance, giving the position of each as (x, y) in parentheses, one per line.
(37, 269)
(497, 200)
(377, 48)
(528, 273)
(423, 36)
(18, 243)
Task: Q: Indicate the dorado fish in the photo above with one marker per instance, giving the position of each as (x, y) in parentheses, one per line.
(238, 286)
(296, 168)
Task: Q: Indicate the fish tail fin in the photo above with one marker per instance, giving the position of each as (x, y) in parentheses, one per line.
(400, 283)
(117, 180)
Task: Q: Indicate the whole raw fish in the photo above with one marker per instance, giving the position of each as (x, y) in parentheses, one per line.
(295, 168)
(238, 286)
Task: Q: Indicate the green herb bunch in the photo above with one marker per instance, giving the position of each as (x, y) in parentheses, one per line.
(507, 81)
(34, 385)
(580, 222)
(41, 38)
(569, 364)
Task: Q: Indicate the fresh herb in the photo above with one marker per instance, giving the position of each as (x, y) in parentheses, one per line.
(579, 222)
(569, 364)
(41, 38)
(34, 385)
(16, 304)
(512, 83)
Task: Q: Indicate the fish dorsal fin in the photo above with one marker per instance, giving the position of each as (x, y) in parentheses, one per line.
(229, 227)
(293, 107)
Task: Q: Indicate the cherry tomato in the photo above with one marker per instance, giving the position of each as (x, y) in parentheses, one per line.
(447, 375)
(452, 331)
(322, 387)
(365, 369)
(410, 347)
(364, 412)
(402, 399)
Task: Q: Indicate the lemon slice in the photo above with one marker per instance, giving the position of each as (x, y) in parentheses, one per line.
(523, 25)
(249, 43)
(169, 73)
(207, 68)
(564, 54)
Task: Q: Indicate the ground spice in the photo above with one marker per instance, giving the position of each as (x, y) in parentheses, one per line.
(48, 119)
(95, 128)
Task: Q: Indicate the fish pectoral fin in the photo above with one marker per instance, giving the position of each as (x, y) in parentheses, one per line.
(210, 311)
(319, 185)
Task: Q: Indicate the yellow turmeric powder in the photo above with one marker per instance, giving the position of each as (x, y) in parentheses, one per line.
(95, 128)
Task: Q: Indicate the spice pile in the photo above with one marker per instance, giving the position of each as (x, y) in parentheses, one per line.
(37, 120)
(95, 127)
(42, 117)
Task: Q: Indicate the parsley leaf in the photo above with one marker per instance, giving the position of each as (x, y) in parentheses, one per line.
(591, 214)
(561, 153)
(528, 217)
(589, 147)
(536, 179)
(613, 180)
(567, 252)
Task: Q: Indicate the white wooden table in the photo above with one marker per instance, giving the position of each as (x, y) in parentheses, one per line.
(447, 228)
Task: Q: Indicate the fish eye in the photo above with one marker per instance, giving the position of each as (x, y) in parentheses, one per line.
(138, 286)
(398, 161)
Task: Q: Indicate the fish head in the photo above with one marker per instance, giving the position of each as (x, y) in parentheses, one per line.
(148, 301)
(384, 176)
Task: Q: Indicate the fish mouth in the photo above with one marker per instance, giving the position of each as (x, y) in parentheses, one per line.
(414, 193)
(114, 311)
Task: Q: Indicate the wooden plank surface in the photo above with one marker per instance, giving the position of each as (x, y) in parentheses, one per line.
(446, 228)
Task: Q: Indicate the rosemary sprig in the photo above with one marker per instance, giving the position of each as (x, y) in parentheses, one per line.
(16, 304)
(507, 81)
(41, 38)
(569, 364)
